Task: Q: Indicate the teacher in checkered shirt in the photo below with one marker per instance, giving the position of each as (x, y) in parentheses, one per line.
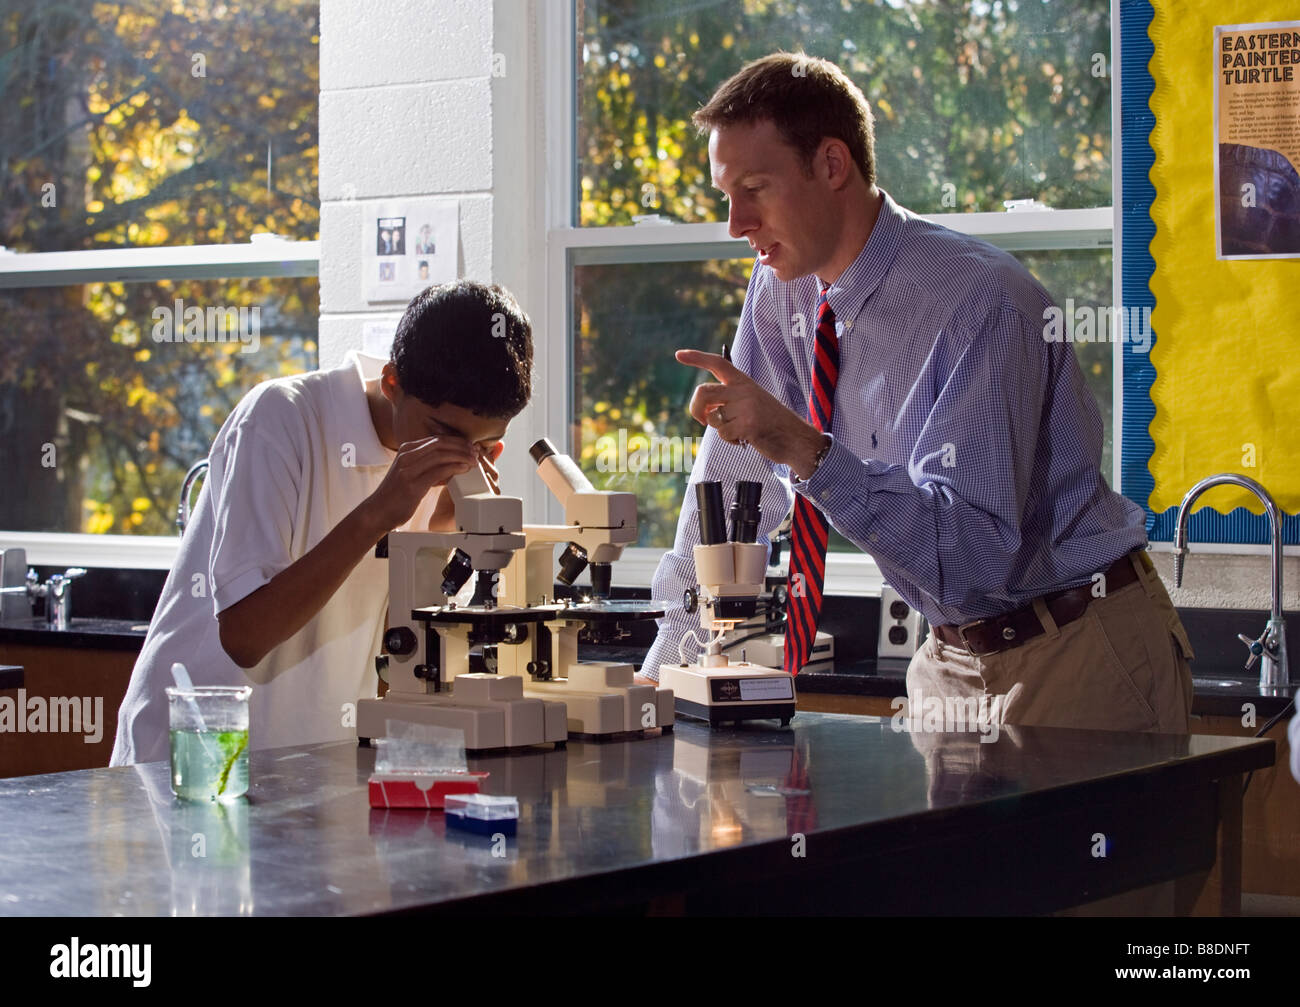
(893, 378)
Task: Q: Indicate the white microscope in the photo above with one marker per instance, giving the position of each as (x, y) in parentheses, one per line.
(600, 697)
(429, 637)
(731, 575)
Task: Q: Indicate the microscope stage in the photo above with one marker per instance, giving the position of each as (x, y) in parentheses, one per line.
(483, 617)
(623, 610)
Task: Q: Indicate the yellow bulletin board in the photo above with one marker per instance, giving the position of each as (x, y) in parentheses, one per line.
(1222, 383)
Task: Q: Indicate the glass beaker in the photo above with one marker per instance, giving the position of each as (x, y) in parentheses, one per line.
(209, 741)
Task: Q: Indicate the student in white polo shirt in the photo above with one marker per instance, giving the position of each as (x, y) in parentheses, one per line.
(276, 584)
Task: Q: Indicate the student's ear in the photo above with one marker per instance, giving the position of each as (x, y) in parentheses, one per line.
(495, 451)
(388, 383)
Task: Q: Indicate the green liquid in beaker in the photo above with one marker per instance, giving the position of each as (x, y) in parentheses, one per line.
(209, 765)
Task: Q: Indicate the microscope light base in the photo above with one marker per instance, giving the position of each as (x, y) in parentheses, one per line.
(491, 710)
(730, 693)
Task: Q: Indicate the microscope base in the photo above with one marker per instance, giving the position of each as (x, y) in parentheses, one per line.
(603, 703)
(491, 710)
(731, 692)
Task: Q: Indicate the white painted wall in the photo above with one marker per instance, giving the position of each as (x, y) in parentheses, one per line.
(410, 108)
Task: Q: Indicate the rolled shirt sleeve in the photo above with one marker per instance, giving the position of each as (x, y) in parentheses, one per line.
(257, 482)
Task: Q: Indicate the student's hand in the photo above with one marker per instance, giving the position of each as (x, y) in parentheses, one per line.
(419, 466)
(745, 413)
(443, 517)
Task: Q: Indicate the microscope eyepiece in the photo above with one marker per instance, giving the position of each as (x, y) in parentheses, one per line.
(713, 522)
(745, 512)
(542, 450)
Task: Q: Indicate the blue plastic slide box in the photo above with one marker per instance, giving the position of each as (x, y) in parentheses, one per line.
(482, 813)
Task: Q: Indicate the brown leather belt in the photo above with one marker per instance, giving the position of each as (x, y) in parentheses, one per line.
(1004, 632)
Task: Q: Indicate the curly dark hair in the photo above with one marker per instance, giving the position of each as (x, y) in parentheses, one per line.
(469, 344)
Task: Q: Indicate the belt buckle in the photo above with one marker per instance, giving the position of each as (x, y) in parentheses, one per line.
(961, 632)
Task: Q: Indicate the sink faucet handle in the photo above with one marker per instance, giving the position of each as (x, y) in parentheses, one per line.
(1256, 647)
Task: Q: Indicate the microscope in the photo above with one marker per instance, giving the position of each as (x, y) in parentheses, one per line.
(763, 636)
(600, 697)
(731, 573)
(429, 636)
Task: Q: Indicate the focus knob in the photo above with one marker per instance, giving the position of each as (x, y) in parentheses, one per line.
(400, 640)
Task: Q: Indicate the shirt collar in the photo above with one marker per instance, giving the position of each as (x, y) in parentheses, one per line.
(350, 421)
(851, 290)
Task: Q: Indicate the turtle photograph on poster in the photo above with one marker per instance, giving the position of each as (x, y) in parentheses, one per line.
(1257, 136)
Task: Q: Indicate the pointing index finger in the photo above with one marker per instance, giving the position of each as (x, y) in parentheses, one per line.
(719, 366)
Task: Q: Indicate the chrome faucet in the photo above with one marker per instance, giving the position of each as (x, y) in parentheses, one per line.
(57, 592)
(183, 509)
(1271, 645)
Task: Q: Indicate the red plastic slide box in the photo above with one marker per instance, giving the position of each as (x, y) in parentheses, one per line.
(420, 790)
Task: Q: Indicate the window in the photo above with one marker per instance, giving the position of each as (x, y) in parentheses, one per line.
(975, 105)
(148, 151)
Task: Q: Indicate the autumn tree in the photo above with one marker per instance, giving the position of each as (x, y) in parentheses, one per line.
(143, 124)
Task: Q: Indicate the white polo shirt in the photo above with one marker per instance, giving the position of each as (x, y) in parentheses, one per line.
(291, 461)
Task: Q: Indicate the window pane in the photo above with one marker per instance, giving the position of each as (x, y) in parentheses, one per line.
(110, 391)
(974, 103)
(631, 427)
(150, 122)
(1079, 280)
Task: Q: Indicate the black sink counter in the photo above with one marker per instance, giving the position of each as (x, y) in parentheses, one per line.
(1214, 695)
(81, 634)
(1221, 695)
(11, 676)
(1218, 692)
(709, 818)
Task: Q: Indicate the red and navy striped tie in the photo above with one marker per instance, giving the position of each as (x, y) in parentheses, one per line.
(809, 529)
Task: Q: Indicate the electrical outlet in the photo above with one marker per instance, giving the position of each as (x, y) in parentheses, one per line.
(900, 628)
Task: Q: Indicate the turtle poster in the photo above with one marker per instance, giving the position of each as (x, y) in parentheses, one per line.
(1257, 138)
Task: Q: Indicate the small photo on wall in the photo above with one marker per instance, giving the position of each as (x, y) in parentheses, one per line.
(407, 246)
(391, 236)
(424, 243)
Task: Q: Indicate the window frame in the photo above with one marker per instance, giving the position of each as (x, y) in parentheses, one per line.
(568, 245)
(265, 256)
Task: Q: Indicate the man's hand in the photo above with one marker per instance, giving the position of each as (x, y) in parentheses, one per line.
(443, 517)
(743, 412)
(419, 466)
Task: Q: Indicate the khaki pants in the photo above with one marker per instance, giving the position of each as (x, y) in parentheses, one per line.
(1121, 666)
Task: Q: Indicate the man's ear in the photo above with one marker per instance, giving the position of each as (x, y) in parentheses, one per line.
(836, 161)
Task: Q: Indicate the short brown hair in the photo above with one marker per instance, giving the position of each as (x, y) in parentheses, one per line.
(808, 99)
